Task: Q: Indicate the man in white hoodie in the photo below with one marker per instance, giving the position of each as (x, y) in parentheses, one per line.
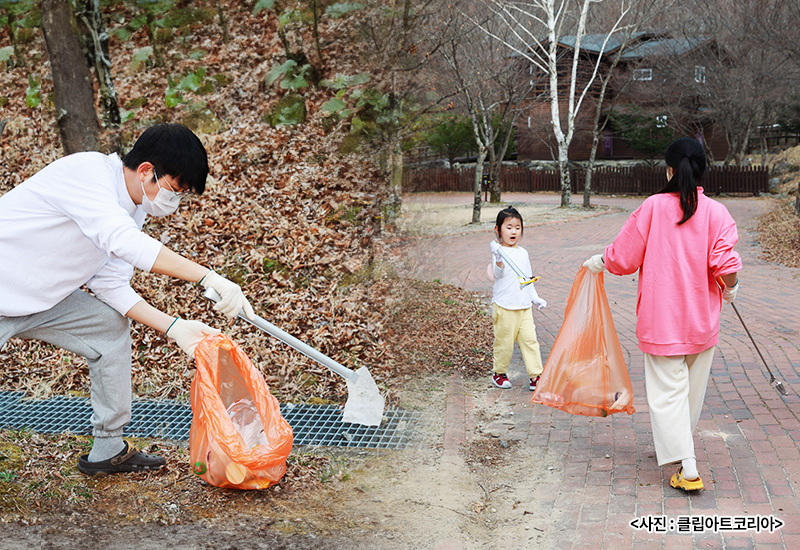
(79, 222)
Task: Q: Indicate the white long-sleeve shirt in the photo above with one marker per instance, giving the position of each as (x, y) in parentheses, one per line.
(72, 223)
(506, 292)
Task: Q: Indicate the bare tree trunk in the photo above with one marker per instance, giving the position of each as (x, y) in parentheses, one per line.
(72, 84)
(393, 168)
(563, 174)
(97, 50)
(476, 207)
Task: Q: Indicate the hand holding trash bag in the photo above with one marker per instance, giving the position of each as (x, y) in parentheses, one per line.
(595, 264)
(187, 334)
(585, 373)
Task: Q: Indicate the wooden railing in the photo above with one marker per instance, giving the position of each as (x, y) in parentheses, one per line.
(609, 180)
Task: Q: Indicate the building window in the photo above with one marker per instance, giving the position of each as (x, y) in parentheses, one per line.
(643, 74)
(700, 74)
(661, 121)
(608, 144)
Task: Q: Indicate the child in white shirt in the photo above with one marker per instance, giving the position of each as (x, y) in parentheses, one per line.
(512, 315)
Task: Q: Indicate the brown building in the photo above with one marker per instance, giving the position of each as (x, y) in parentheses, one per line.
(646, 96)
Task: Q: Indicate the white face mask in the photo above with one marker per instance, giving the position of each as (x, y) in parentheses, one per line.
(165, 203)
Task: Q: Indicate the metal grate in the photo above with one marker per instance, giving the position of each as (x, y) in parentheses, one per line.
(312, 424)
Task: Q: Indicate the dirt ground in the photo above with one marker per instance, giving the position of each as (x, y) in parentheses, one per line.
(446, 213)
(383, 499)
(419, 497)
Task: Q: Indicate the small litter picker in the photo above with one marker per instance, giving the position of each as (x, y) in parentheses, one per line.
(524, 280)
(364, 400)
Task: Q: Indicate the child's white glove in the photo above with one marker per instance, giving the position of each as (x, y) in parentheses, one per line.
(496, 246)
(595, 264)
(538, 302)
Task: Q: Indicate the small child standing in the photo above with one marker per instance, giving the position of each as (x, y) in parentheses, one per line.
(512, 315)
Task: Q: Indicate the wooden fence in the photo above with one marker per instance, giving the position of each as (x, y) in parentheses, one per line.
(608, 180)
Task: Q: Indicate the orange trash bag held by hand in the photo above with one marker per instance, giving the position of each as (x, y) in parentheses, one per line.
(585, 373)
(238, 437)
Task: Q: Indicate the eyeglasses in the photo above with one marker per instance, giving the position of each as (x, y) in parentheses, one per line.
(177, 193)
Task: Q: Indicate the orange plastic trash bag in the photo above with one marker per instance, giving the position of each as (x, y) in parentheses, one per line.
(238, 437)
(585, 373)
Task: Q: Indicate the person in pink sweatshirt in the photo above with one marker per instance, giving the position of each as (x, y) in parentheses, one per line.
(680, 241)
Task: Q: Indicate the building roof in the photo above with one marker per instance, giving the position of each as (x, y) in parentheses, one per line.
(664, 46)
(647, 44)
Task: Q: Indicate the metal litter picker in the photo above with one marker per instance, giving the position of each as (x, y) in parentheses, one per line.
(778, 383)
(364, 400)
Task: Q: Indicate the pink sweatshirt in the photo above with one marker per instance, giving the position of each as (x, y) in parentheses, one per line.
(679, 301)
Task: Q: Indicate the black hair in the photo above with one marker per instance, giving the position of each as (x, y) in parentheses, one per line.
(687, 158)
(172, 149)
(504, 214)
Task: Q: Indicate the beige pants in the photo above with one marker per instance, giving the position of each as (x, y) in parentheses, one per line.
(676, 388)
(515, 325)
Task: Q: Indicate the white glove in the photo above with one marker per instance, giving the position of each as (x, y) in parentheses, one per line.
(187, 334)
(595, 264)
(729, 292)
(496, 246)
(233, 300)
(538, 302)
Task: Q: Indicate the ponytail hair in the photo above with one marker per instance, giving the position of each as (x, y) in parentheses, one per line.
(687, 158)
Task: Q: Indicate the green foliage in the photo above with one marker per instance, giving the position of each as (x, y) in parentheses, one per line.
(6, 53)
(642, 131)
(33, 93)
(195, 82)
(20, 14)
(290, 110)
(289, 75)
(263, 5)
(341, 9)
(789, 114)
(201, 120)
(373, 115)
(140, 56)
(294, 17)
(165, 16)
(451, 136)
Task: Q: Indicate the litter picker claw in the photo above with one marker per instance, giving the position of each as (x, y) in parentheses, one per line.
(364, 400)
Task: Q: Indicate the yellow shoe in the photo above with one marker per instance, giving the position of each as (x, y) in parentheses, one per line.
(679, 482)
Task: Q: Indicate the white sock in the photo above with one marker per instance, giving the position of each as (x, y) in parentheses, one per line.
(106, 447)
(690, 468)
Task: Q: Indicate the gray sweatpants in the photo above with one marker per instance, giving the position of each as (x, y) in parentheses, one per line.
(88, 327)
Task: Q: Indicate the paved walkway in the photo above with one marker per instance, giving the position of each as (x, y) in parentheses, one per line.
(605, 474)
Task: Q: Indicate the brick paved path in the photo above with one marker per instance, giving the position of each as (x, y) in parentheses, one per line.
(605, 472)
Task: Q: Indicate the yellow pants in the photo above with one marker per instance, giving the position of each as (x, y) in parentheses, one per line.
(515, 325)
(676, 388)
